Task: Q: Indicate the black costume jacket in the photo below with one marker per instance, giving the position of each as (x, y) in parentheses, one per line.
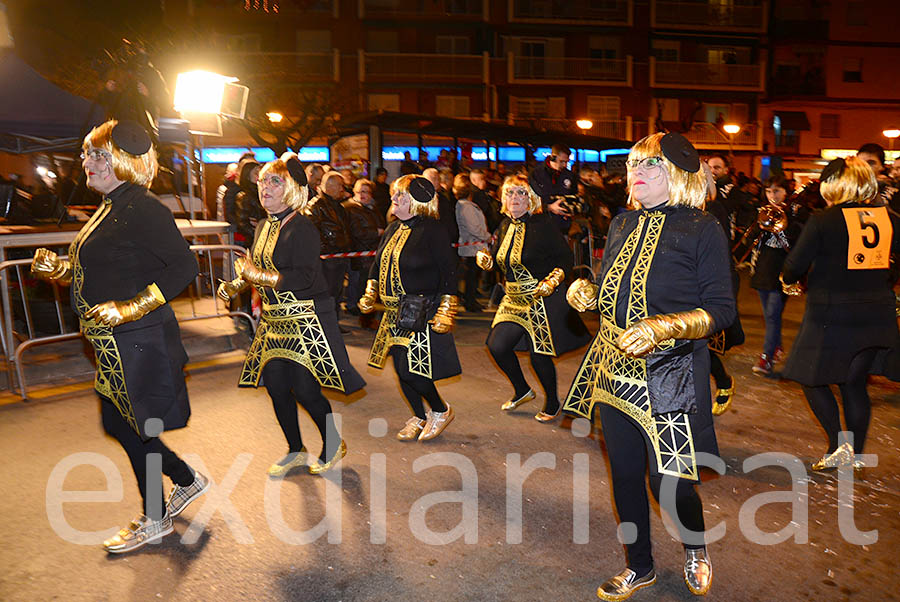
(847, 310)
(365, 223)
(129, 243)
(526, 250)
(298, 320)
(330, 217)
(658, 261)
(415, 257)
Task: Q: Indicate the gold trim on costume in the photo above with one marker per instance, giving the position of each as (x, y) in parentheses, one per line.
(519, 305)
(607, 375)
(390, 287)
(289, 327)
(110, 378)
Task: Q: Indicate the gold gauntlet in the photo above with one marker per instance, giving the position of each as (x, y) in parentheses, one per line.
(230, 288)
(366, 303)
(254, 275)
(113, 313)
(641, 337)
(445, 314)
(48, 266)
(582, 295)
(546, 286)
(484, 260)
(793, 290)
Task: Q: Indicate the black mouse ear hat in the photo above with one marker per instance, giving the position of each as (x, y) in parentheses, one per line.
(289, 169)
(679, 150)
(424, 200)
(133, 156)
(686, 183)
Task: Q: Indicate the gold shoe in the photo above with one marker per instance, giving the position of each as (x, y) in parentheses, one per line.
(720, 408)
(697, 571)
(142, 530)
(290, 461)
(437, 422)
(512, 404)
(842, 456)
(543, 416)
(414, 426)
(624, 584)
(319, 468)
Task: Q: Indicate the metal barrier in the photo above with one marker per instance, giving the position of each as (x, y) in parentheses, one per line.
(207, 277)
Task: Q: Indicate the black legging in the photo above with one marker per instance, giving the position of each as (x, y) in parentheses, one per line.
(856, 402)
(717, 369)
(502, 342)
(137, 450)
(289, 383)
(627, 450)
(416, 387)
(472, 273)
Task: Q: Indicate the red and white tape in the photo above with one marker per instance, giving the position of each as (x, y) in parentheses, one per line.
(373, 253)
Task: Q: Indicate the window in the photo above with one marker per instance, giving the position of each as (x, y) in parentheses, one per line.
(732, 113)
(452, 106)
(452, 45)
(853, 70)
(603, 108)
(381, 41)
(605, 47)
(248, 42)
(830, 125)
(529, 107)
(384, 102)
(667, 109)
(856, 14)
(313, 40)
(666, 50)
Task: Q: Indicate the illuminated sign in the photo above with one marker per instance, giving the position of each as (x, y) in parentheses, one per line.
(232, 154)
(842, 153)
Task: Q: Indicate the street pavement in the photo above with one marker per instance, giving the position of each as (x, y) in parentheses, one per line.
(436, 521)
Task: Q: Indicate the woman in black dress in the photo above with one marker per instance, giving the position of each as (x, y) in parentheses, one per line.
(664, 287)
(414, 275)
(124, 266)
(297, 348)
(533, 314)
(850, 324)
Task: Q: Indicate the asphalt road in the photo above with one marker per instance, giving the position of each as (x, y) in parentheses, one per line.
(439, 520)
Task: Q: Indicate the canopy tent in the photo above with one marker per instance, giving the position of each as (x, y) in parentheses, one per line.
(37, 115)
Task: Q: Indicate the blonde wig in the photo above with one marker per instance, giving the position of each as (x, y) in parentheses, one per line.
(519, 181)
(137, 169)
(685, 188)
(856, 182)
(401, 186)
(295, 195)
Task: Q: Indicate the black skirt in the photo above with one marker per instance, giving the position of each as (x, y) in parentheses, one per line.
(566, 327)
(833, 333)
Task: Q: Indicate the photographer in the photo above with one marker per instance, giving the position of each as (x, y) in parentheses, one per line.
(556, 186)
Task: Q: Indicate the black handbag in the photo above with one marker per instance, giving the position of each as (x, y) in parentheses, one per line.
(412, 314)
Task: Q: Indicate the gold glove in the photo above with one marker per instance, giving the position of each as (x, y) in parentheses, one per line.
(230, 288)
(641, 337)
(48, 266)
(793, 290)
(582, 295)
(484, 260)
(444, 316)
(546, 286)
(254, 275)
(366, 303)
(113, 313)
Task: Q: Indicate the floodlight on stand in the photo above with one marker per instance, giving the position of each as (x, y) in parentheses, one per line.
(200, 91)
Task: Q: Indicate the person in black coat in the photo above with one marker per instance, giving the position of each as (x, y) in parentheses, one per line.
(298, 347)
(552, 182)
(247, 211)
(414, 275)
(534, 260)
(124, 266)
(664, 287)
(849, 329)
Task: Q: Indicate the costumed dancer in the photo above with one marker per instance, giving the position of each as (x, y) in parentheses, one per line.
(297, 348)
(664, 286)
(534, 258)
(733, 334)
(414, 275)
(124, 266)
(849, 328)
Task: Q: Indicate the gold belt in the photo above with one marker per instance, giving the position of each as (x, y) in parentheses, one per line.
(274, 312)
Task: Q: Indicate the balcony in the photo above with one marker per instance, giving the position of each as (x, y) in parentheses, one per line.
(569, 71)
(706, 76)
(706, 136)
(620, 129)
(576, 12)
(280, 68)
(746, 16)
(457, 10)
(405, 67)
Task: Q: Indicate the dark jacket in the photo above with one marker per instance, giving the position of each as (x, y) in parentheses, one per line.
(247, 210)
(773, 248)
(332, 221)
(366, 227)
(549, 184)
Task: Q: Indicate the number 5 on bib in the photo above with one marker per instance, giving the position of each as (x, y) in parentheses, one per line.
(869, 230)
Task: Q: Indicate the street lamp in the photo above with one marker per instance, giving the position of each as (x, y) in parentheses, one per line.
(732, 129)
(275, 116)
(890, 134)
(584, 125)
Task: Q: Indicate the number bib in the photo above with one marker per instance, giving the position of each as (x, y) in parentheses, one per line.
(869, 230)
